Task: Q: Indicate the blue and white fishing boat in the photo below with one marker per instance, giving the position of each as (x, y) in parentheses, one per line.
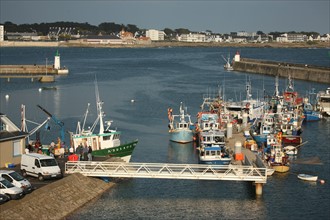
(215, 154)
(309, 112)
(180, 126)
(263, 127)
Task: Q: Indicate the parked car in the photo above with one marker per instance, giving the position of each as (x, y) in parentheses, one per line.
(17, 180)
(8, 189)
(3, 199)
(41, 166)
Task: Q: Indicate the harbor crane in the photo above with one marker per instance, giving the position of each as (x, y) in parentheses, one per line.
(58, 122)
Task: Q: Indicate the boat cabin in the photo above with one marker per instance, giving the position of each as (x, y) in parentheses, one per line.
(97, 141)
(212, 137)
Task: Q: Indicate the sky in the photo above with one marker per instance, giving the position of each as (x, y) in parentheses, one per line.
(219, 16)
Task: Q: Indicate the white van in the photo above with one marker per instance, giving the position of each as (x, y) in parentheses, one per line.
(17, 180)
(8, 189)
(40, 165)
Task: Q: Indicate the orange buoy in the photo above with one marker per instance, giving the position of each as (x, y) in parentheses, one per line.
(322, 181)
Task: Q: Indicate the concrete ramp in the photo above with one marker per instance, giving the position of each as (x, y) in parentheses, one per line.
(55, 200)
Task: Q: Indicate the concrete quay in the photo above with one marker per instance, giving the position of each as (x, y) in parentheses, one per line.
(39, 72)
(55, 200)
(297, 71)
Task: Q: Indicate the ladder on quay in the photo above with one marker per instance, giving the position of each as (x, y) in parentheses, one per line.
(168, 171)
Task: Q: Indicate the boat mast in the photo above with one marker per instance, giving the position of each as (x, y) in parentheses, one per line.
(290, 84)
(99, 107)
(276, 87)
(248, 90)
(85, 117)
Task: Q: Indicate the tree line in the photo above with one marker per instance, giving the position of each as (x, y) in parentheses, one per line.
(106, 28)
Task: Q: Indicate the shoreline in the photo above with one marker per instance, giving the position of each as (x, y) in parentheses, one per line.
(162, 44)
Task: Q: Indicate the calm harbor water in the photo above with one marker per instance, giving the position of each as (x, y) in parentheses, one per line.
(157, 78)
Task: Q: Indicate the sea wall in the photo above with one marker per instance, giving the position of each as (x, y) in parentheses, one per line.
(55, 200)
(28, 44)
(9, 70)
(297, 71)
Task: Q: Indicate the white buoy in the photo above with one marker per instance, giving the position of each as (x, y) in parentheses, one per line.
(132, 100)
(40, 89)
(7, 96)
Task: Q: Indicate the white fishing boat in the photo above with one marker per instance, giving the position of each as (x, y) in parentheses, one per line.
(307, 177)
(105, 143)
(227, 66)
(323, 101)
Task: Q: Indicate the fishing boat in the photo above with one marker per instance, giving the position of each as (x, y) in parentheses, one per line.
(278, 159)
(275, 155)
(262, 127)
(323, 101)
(227, 65)
(290, 150)
(180, 126)
(215, 154)
(310, 114)
(105, 143)
(307, 177)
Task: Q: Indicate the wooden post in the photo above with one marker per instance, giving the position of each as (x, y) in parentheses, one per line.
(258, 189)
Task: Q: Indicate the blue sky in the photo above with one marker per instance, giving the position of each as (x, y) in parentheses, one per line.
(218, 16)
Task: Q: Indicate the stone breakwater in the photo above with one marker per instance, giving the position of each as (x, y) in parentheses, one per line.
(55, 200)
(297, 71)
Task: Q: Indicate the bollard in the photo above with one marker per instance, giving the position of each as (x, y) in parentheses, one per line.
(229, 130)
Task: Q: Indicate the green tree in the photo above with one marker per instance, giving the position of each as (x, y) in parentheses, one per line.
(182, 31)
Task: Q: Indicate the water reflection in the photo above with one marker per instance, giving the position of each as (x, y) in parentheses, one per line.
(181, 153)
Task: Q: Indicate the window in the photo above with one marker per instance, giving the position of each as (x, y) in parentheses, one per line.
(106, 138)
(2, 126)
(5, 176)
(36, 163)
(17, 148)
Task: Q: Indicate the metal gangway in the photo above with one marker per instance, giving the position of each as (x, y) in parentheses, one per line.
(168, 171)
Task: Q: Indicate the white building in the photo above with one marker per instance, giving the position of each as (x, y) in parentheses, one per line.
(291, 38)
(246, 34)
(155, 35)
(2, 33)
(192, 37)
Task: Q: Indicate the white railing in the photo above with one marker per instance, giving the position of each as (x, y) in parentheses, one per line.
(167, 171)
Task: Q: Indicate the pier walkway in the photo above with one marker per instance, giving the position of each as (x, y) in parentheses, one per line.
(170, 171)
(167, 171)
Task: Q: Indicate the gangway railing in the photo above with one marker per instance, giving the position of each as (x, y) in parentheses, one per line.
(167, 171)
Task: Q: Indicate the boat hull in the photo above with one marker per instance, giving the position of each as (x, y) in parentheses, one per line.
(222, 161)
(281, 168)
(312, 116)
(291, 139)
(182, 136)
(307, 177)
(123, 151)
